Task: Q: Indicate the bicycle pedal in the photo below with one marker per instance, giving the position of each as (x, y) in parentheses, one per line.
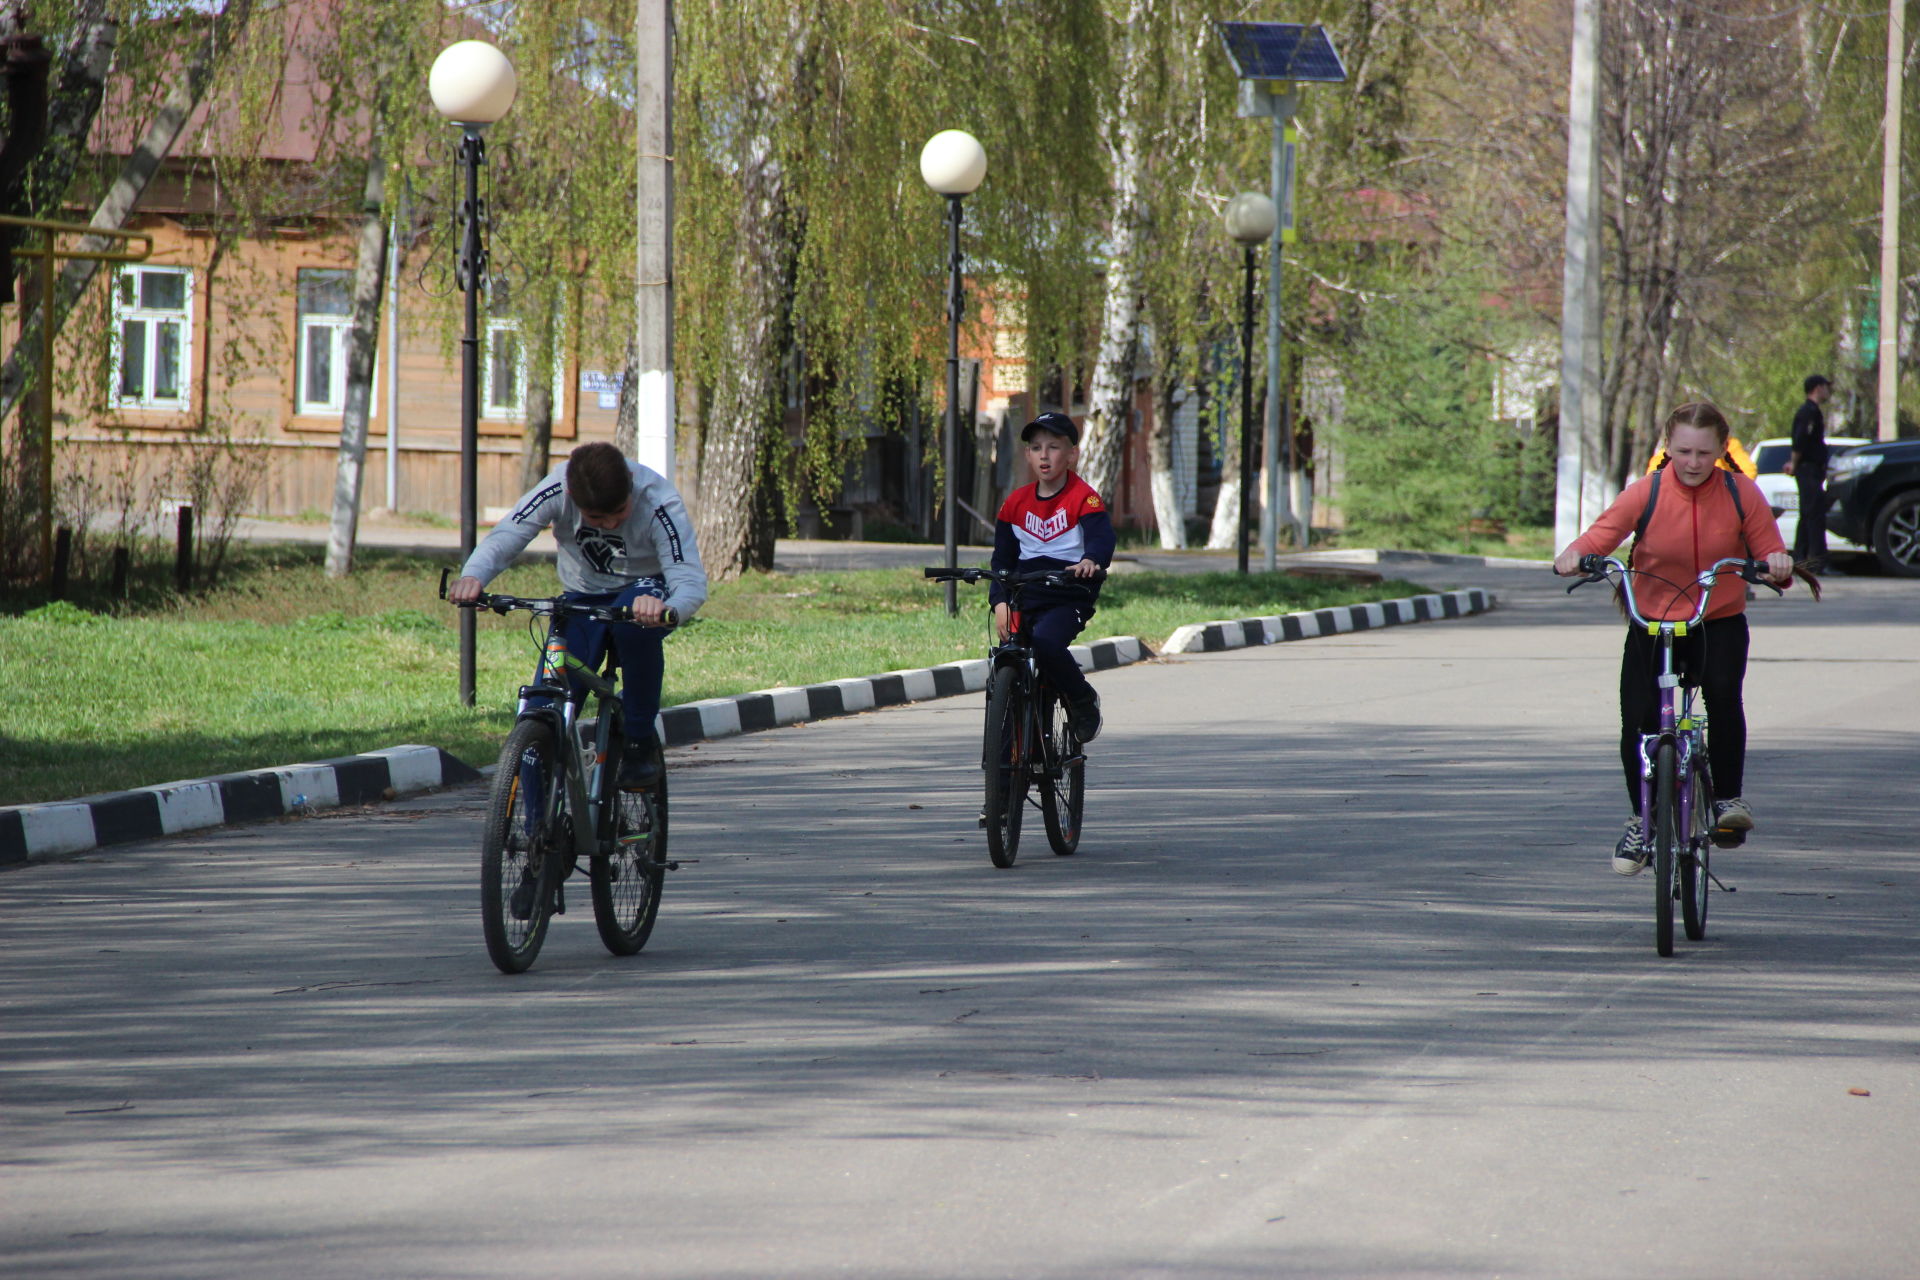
(1728, 837)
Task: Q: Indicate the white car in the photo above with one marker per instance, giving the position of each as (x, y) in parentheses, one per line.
(1783, 495)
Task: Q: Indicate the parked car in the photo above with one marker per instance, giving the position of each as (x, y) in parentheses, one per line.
(1874, 499)
(1783, 495)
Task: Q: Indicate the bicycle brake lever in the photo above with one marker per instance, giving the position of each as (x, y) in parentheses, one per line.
(444, 571)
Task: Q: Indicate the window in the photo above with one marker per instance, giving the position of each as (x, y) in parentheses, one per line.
(326, 313)
(504, 394)
(152, 337)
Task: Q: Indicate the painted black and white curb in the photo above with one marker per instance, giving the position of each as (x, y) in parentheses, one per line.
(45, 830)
(771, 708)
(1213, 637)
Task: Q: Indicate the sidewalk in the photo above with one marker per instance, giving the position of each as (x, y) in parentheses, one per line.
(797, 555)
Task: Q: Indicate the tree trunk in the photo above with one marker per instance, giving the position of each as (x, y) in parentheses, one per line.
(1110, 399)
(363, 336)
(1166, 496)
(136, 173)
(626, 417)
(745, 404)
(536, 439)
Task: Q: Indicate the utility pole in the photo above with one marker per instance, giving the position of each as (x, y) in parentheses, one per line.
(1580, 283)
(1890, 227)
(653, 316)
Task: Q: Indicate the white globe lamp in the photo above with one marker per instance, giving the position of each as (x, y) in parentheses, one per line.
(1251, 218)
(953, 162)
(472, 83)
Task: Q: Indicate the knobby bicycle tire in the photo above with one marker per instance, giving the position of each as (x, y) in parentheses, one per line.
(1695, 883)
(1063, 792)
(1003, 759)
(626, 880)
(1668, 824)
(527, 836)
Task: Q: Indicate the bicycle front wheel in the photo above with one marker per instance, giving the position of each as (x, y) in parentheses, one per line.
(626, 880)
(1003, 760)
(527, 836)
(1668, 825)
(1063, 794)
(1694, 880)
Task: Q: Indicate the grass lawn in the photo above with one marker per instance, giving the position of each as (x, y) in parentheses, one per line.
(279, 664)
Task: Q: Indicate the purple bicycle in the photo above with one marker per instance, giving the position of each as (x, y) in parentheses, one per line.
(1678, 826)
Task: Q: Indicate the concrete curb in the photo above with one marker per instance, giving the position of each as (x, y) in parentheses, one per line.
(1215, 637)
(771, 708)
(32, 831)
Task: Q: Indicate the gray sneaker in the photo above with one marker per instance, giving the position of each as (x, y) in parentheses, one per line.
(1629, 857)
(1733, 815)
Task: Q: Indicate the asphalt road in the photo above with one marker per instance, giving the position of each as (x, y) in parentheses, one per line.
(1339, 986)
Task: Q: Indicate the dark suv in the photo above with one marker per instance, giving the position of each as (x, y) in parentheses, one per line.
(1874, 500)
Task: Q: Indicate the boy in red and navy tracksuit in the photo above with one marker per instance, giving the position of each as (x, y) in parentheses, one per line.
(1057, 522)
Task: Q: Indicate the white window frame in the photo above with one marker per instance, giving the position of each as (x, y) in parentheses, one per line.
(490, 404)
(152, 318)
(340, 325)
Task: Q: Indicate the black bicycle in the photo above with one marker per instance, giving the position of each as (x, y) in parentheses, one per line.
(554, 801)
(1029, 743)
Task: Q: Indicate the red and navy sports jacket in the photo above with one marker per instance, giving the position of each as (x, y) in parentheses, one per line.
(1055, 532)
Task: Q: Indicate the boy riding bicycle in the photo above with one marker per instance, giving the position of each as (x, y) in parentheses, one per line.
(624, 540)
(1057, 522)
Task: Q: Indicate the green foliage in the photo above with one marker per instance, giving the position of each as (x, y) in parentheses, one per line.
(281, 663)
(1421, 453)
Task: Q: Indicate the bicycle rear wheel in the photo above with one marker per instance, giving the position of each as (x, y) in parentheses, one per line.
(528, 834)
(626, 881)
(1003, 760)
(1063, 797)
(1668, 824)
(1694, 880)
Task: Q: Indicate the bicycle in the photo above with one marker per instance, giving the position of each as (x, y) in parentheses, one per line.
(1028, 739)
(553, 801)
(1678, 826)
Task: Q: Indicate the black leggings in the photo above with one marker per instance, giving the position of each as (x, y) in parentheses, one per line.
(1713, 656)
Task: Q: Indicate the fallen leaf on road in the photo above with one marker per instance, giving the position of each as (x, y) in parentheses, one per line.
(1860, 1093)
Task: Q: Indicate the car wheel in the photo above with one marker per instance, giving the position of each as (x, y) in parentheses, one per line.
(1896, 535)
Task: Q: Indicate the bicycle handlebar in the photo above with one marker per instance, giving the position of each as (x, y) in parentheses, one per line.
(1602, 568)
(504, 604)
(1013, 577)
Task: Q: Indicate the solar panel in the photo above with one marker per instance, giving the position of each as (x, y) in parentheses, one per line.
(1282, 51)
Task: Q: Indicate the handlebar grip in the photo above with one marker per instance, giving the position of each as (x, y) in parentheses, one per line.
(670, 618)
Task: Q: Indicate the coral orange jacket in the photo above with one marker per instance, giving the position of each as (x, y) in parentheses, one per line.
(1690, 529)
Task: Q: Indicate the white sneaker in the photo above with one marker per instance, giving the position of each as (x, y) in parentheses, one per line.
(1733, 815)
(1629, 858)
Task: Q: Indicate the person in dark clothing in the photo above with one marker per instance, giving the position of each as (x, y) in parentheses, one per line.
(1807, 464)
(1057, 522)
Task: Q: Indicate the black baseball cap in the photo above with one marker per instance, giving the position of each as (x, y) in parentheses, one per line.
(1816, 380)
(1058, 424)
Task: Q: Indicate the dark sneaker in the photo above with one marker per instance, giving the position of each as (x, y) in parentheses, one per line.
(639, 766)
(1732, 815)
(1084, 719)
(1629, 857)
(521, 904)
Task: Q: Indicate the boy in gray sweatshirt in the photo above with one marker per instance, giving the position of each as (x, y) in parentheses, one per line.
(624, 540)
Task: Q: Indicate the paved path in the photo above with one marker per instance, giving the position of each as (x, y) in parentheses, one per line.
(1340, 986)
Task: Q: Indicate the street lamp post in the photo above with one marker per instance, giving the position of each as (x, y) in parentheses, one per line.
(1273, 60)
(1251, 218)
(473, 85)
(953, 163)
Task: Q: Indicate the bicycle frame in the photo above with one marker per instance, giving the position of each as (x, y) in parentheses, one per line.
(1678, 722)
(549, 698)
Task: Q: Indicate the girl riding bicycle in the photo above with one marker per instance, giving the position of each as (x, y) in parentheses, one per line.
(1699, 514)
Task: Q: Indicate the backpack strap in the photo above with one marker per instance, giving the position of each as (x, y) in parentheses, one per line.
(1739, 509)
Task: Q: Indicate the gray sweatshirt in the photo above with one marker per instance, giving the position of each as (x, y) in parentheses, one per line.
(655, 541)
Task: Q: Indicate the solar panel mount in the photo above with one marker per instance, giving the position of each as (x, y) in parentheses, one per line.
(1282, 51)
